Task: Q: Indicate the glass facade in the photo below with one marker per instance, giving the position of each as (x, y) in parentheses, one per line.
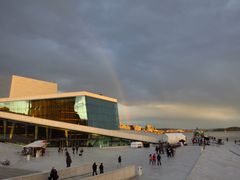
(25, 133)
(102, 114)
(77, 110)
(83, 110)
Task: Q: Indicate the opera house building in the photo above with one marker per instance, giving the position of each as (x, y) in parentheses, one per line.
(33, 109)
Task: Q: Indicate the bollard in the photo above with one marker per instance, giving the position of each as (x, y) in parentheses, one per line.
(37, 154)
(140, 170)
(28, 157)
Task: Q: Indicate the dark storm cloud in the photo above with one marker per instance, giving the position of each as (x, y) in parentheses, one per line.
(162, 52)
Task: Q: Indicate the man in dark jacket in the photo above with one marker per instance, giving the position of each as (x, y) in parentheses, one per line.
(159, 160)
(101, 168)
(68, 160)
(53, 174)
(119, 160)
(73, 150)
(94, 168)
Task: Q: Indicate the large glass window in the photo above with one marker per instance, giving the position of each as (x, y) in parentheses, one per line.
(102, 114)
(78, 110)
(61, 109)
(80, 107)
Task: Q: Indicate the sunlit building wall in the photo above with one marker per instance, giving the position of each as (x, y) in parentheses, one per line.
(36, 98)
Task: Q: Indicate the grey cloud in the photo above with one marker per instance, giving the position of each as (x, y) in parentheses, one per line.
(141, 52)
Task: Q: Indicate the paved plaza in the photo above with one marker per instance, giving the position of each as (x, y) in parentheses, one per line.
(215, 162)
(218, 162)
(181, 164)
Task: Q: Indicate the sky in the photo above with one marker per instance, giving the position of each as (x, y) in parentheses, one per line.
(174, 64)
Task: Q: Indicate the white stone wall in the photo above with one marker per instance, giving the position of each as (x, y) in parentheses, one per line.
(63, 173)
(122, 173)
(24, 87)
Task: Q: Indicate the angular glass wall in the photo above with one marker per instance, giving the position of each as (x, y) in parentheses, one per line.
(61, 109)
(80, 107)
(102, 114)
(19, 107)
(82, 110)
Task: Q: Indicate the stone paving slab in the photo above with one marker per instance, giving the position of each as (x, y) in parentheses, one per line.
(177, 168)
(217, 163)
(13, 172)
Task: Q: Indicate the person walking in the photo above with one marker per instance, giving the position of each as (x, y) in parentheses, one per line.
(161, 150)
(53, 174)
(154, 159)
(94, 168)
(81, 152)
(168, 151)
(73, 150)
(172, 151)
(159, 160)
(66, 152)
(119, 160)
(76, 149)
(150, 158)
(101, 168)
(68, 160)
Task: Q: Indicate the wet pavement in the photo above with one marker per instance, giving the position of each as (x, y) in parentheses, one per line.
(215, 162)
(177, 168)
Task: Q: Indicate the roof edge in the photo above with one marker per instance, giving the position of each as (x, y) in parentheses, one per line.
(60, 95)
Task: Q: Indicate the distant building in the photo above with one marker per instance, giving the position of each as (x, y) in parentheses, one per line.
(125, 126)
(149, 128)
(137, 127)
(131, 127)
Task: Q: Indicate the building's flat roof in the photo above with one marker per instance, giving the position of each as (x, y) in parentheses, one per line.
(76, 127)
(60, 95)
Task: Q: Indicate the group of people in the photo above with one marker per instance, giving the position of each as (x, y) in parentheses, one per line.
(201, 141)
(101, 167)
(168, 148)
(74, 150)
(68, 157)
(153, 158)
(159, 149)
(170, 151)
(54, 175)
(94, 168)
